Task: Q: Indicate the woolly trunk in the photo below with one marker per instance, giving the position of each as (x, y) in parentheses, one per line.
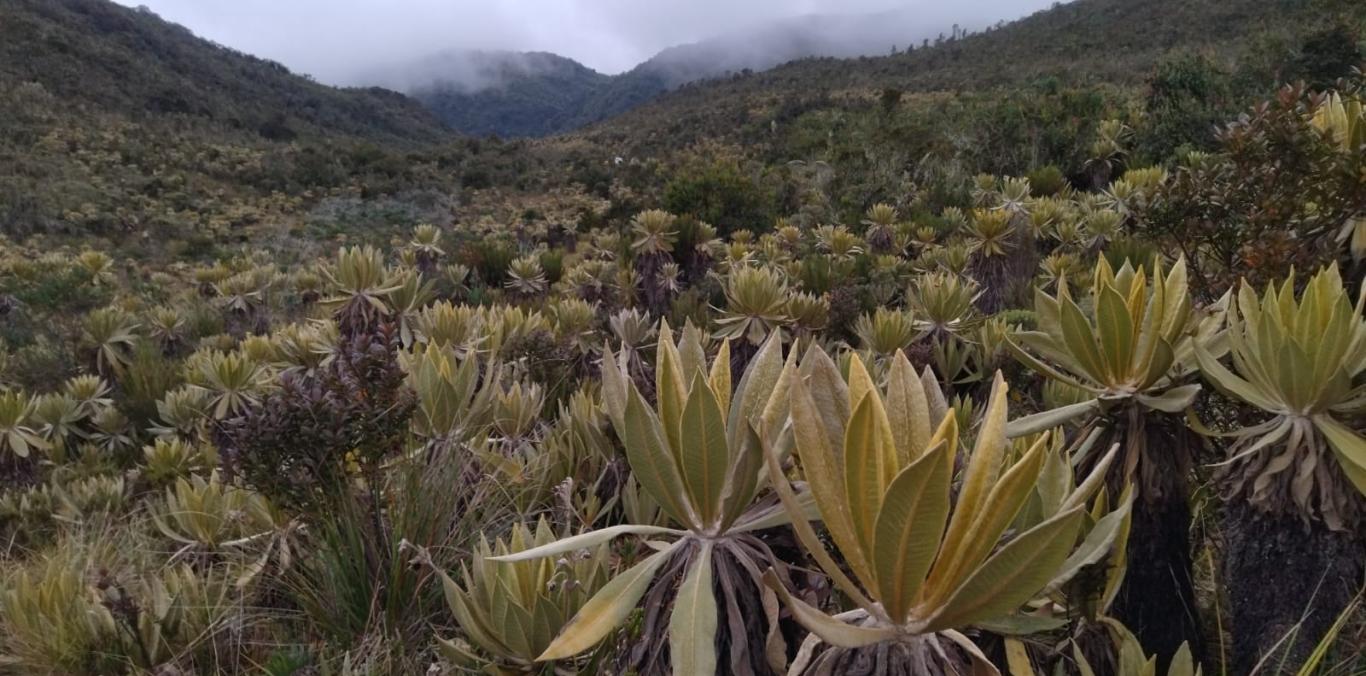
(1279, 572)
(1008, 280)
(741, 352)
(656, 296)
(1157, 598)
(993, 274)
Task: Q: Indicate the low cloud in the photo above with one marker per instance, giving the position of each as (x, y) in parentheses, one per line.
(346, 41)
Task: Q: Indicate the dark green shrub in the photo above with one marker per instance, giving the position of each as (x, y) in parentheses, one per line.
(1046, 181)
(295, 446)
(721, 194)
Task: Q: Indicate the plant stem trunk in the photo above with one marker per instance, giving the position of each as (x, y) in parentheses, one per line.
(1157, 598)
(1285, 577)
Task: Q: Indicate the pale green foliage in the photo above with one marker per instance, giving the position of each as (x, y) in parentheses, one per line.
(632, 329)
(1014, 194)
(304, 347)
(943, 303)
(243, 292)
(110, 333)
(511, 612)
(166, 326)
(990, 232)
(756, 305)
(16, 436)
(98, 265)
(182, 412)
(1131, 659)
(880, 466)
(517, 410)
(698, 456)
(526, 276)
(455, 326)
(809, 313)
(167, 460)
(1135, 340)
(1132, 351)
(653, 233)
(838, 241)
(1300, 361)
(886, 331)
(208, 513)
(426, 241)
(360, 272)
(53, 622)
(408, 295)
(61, 421)
(232, 380)
(453, 403)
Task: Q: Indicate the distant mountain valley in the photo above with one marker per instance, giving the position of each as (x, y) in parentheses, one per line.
(534, 94)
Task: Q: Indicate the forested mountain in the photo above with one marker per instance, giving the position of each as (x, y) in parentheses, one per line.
(480, 93)
(537, 94)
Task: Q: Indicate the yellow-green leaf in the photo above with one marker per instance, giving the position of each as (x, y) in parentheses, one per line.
(742, 480)
(829, 395)
(602, 613)
(671, 392)
(792, 504)
(719, 377)
(908, 411)
(758, 385)
(825, 478)
(585, 541)
(1116, 333)
(863, 470)
(1007, 497)
(1012, 575)
(704, 456)
(1017, 658)
(1350, 448)
(692, 626)
(1081, 342)
(982, 471)
(909, 528)
(651, 463)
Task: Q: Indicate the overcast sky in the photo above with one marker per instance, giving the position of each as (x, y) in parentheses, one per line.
(335, 39)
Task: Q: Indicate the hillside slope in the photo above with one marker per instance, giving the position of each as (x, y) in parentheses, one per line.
(114, 121)
(102, 58)
(1115, 42)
